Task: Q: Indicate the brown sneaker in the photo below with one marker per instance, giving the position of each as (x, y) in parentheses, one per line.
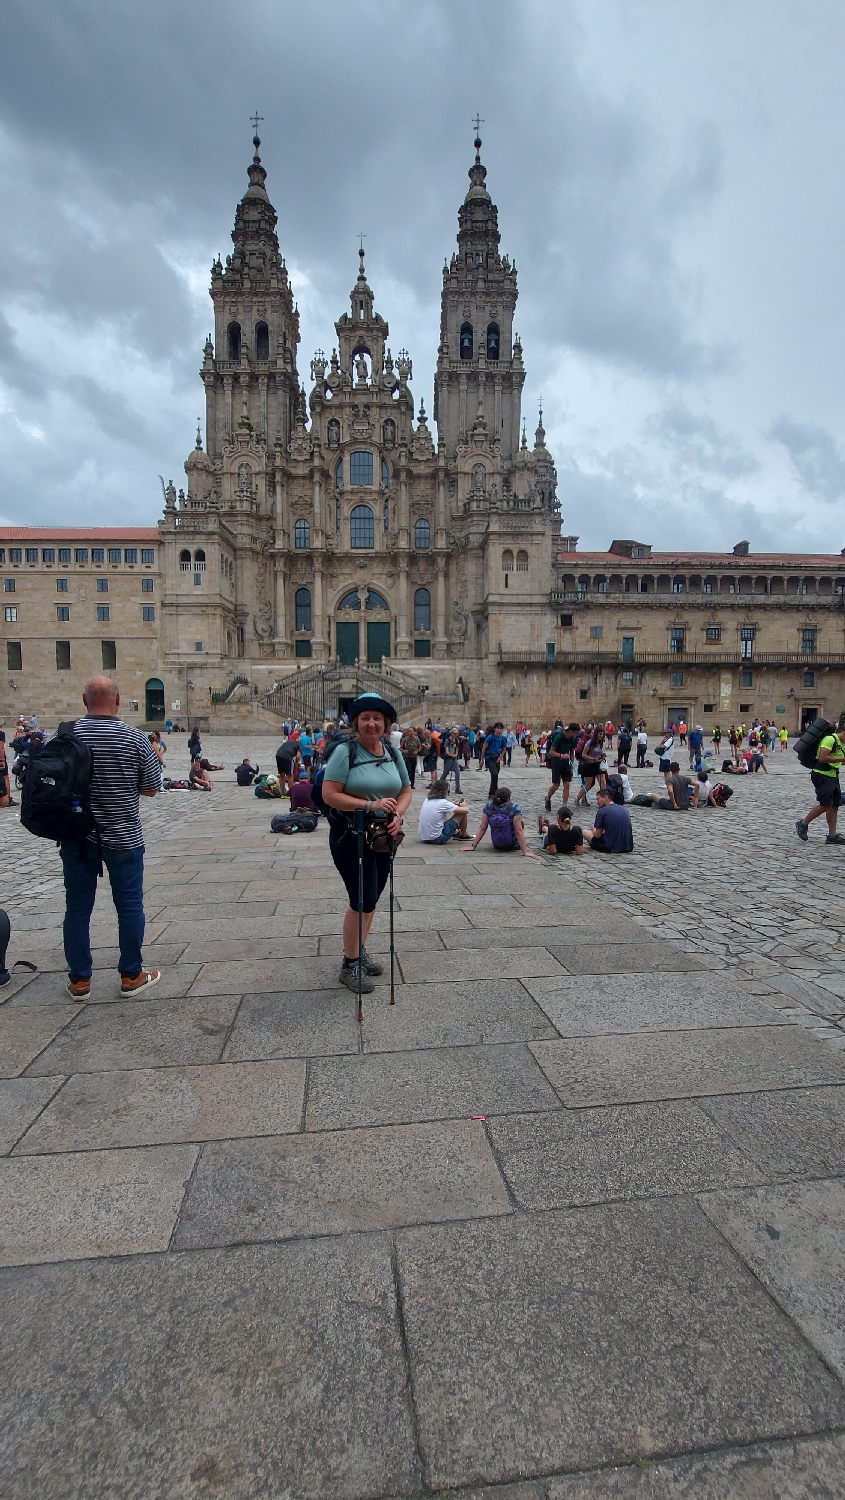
(140, 981)
(78, 989)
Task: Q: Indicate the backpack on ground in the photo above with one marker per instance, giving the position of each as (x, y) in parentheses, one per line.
(317, 784)
(722, 794)
(56, 795)
(806, 747)
(616, 787)
(500, 820)
(295, 822)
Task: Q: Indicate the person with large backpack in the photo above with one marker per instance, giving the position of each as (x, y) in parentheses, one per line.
(822, 751)
(504, 819)
(82, 790)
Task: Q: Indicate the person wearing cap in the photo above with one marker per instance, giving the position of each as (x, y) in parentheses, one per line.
(301, 799)
(377, 782)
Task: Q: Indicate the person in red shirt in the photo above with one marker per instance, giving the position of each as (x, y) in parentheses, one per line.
(301, 799)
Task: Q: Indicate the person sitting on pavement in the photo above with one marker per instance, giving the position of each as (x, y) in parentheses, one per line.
(565, 838)
(504, 819)
(301, 799)
(199, 778)
(440, 819)
(704, 794)
(830, 755)
(677, 797)
(611, 832)
(245, 773)
(267, 787)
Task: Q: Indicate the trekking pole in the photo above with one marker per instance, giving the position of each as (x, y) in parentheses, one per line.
(392, 989)
(360, 820)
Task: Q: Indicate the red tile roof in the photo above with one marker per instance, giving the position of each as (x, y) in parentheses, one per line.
(79, 533)
(716, 560)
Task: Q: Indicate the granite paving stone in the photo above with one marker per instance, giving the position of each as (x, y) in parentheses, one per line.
(539, 1318)
(288, 1187)
(140, 1034)
(183, 929)
(527, 935)
(90, 1203)
(451, 1082)
(685, 1064)
(663, 1001)
(271, 1370)
(793, 1237)
(627, 958)
(152, 1106)
(25, 1030)
(543, 914)
(434, 1015)
(492, 963)
(787, 1132)
(801, 1469)
(310, 1023)
(21, 1101)
(49, 988)
(52, 960)
(225, 898)
(440, 918)
(573, 1157)
(256, 975)
(226, 950)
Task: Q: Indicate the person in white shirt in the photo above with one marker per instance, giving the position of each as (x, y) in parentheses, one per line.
(396, 737)
(627, 789)
(703, 794)
(440, 819)
(642, 746)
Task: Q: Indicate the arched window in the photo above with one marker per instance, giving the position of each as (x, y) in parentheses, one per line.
(352, 600)
(185, 556)
(492, 341)
(386, 517)
(385, 474)
(422, 533)
(361, 467)
(388, 433)
(234, 332)
(302, 534)
(302, 600)
(362, 530)
(262, 341)
(521, 561)
(466, 341)
(333, 431)
(199, 555)
(422, 609)
(376, 600)
(507, 561)
(479, 479)
(338, 474)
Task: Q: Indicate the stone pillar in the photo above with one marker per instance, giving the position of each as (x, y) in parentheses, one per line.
(262, 404)
(497, 408)
(212, 444)
(319, 639)
(281, 623)
(440, 641)
(317, 503)
(227, 389)
(462, 405)
(403, 638)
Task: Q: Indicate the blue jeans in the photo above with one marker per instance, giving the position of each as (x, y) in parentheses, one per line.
(126, 874)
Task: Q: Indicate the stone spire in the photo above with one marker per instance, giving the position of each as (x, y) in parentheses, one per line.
(255, 261)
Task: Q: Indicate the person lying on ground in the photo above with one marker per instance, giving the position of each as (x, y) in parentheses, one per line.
(440, 819)
(565, 838)
(211, 765)
(504, 819)
(677, 797)
(245, 773)
(611, 832)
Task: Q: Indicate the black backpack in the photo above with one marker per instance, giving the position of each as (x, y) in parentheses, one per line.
(317, 784)
(806, 747)
(56, 796)
(616, 788)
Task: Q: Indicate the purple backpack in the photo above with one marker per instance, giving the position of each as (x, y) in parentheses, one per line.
(501, 826)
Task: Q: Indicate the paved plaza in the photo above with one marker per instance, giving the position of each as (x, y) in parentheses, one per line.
(565, 1222)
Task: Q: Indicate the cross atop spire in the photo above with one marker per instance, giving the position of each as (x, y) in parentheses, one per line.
(477, 123)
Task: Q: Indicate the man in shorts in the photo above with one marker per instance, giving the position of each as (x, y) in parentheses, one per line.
(825, 779)
(559, 752)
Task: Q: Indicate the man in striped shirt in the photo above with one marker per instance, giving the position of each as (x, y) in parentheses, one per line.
(125, 767)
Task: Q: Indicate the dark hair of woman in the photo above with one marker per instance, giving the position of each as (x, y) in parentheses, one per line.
(596, 741)
(438, 789)
(501, 796)
(564, 815)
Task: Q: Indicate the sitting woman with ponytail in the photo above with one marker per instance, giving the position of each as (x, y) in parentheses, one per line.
(364, 775)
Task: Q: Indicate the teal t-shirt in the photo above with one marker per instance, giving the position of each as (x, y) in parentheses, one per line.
(371, 776)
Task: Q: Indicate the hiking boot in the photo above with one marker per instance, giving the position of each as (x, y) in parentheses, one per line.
(801, 830)
(349, 976)
(372, 965)
(142, 981)
(835, 838)
(548, 804)
(78, 989)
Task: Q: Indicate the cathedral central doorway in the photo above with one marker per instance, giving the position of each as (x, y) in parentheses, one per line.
(347, 634)
(378, 640)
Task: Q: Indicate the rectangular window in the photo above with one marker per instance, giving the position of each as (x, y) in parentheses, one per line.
(48, 554)
(130, 554)
(32, 554)
(627, 648)
(8, 585)
(81, 555)
(109, 652)
(198, 580)
(707, 588)
(11, 612)
(551, 650)
(361, 467)
(14, 660)
(62, 656)
(745, 708)
(714, 632)
(148, 612)
(302, 648)
(198, 644)
(2, 554)
(98, 554)
(709, 708)
(747, 634)
(148, 555)
(102, 612)
(114, 554)
(808, 642)
(809, 679)
(566, 619)
(62, 611)
(627, 679)
(422, 648)
(746, 679)
(677, 679)
(148, 585)
(61, 585)
(583, 693)
(676, 639)
(15, 554)
(601, 586)
(64, 554)
(678, 586)
(596, 632)
(102, 585)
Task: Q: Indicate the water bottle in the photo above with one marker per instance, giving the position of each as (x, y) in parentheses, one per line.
(75, 805)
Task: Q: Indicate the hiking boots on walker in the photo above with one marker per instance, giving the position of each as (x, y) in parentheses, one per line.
(371, 965)
(350, 976)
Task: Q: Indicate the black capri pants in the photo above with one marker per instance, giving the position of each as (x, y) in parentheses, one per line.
(343, 844)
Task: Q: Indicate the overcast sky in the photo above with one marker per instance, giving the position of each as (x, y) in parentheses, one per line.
(669, 180)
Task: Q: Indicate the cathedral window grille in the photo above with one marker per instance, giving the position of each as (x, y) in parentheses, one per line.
(479, 479)
(808, 642)
(422, 609)
(199, 559)
(301, 535)
(386, 517)
(422, 533)
(385, 474)
(302, 601)
(234, 333)
(333, 432)
(375, 600)
(262, 341)
(507, 561)
(388, 432)
(184, 561)
(492, 341)
(362, 526)
(361, 467)
(351, 600)
(522, 562)
(676, 640)
(466, 341)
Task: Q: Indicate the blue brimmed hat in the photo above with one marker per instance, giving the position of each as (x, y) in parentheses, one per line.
(375, 703)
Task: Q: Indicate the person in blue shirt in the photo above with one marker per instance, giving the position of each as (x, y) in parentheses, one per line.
(611, 832)
(492, 752)
(306, 747)
(695, 740)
